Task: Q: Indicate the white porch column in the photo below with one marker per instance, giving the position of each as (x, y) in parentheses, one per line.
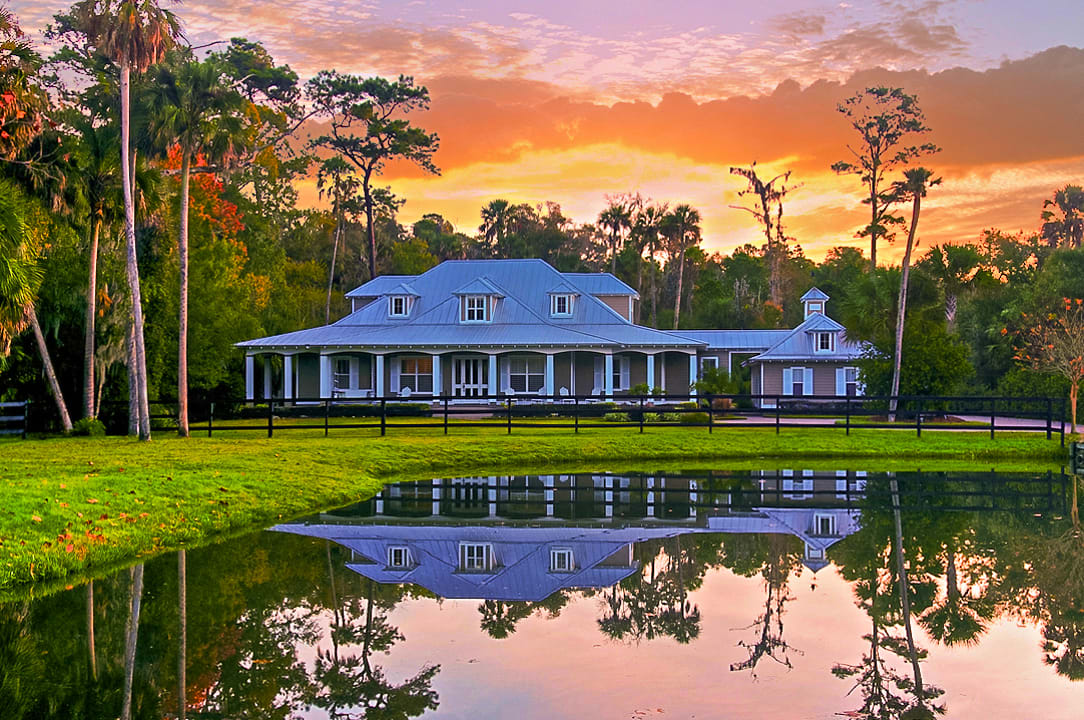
(438, 381)
(608, 375)
(493, 387)
(550, 389)
(651, 372)
(267, 377)
(250, 377)
(692, 373)
(379, 385)
(325, 376)
(288, 377)
(436, 497)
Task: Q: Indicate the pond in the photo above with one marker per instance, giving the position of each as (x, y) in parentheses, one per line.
(723, 594)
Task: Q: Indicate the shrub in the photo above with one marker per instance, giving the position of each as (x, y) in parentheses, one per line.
(694, 418)
(88, 427)
(640, 390)
(652, 417)
(615, 417)
(672, 417)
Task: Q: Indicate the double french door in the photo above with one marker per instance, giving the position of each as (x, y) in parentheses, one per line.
(470, 377)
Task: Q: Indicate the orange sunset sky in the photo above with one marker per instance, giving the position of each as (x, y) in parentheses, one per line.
(571, 100)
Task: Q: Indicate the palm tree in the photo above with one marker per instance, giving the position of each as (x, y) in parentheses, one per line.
(682, 228)
(1064, 225)
(648, 226)
(99, 165)
(20, 278)
(336, 181)
(496, 219)
(194, 108)
(954, 267)
(917, 181)
(133, 35)
(617, 218)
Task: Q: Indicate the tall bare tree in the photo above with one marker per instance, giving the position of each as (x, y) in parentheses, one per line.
(884, 118)
(767, 208)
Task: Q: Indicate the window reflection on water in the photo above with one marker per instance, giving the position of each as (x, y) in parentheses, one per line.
(430, 597)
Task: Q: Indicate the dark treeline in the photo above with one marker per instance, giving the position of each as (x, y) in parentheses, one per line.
(204, 223)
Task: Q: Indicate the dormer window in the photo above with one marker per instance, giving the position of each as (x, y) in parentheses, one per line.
(815, 308)
(399, 306)
(561, 560)
(824, 525)
(561, 305)
(475, 308)
(399, 557)
(475, 557)
(826, 342)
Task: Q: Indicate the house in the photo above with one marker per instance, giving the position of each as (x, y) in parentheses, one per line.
(470, 329)
(507, 537)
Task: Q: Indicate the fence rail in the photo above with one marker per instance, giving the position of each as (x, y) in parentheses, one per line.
(13, 418)
(978, 414)
(538, 411)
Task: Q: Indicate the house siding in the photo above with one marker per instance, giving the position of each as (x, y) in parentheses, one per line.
(618, 303)
(677, 372)
(308, 375)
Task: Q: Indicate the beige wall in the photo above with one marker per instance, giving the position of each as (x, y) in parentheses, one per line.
(677, 371)
(824, 376)
(618, 303)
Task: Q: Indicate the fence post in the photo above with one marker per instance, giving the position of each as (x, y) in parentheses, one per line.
(445, 414)
(576, 417)
(26, 418)
(918, 418)
(1063, 421)
(1049, 418)
(777, 415)
(211, 420)
(270, 418)
(641, 414)
(993, 409)
(327, 414)
(383, 416)
(509, 414)
(711, 413)
(847, 406)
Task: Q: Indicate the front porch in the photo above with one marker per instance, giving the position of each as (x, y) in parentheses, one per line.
(465, 375)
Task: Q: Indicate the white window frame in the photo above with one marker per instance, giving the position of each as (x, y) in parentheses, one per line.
(398, 306)
(818, 518)
(562, 560)
(846, 382)
(817, 345)
(475, 308)
(798, 375)
(710, 361)
(399, 557)
(555, 304)
(412, 379)
(815, 307)
(475, 557)
(341, 374)
(529, 369)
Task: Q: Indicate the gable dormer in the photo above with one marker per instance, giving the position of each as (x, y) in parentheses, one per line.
(814, 302)
(478, 301)
(401, 301)
(562, 301)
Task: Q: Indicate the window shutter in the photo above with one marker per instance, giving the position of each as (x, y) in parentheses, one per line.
(624, 373)
(599, 370)
(355, 373)
(841, 382)
(396, 368)
(788, 381)
(807, 385)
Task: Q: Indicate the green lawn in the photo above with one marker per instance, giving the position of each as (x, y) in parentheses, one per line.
(78, 505)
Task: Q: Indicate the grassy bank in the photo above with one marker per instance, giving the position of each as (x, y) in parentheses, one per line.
(79, 504)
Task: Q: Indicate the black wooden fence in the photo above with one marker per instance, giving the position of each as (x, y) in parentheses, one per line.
(980, 414)
(13, 416)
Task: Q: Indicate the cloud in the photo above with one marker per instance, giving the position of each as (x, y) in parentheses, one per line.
(798, 24)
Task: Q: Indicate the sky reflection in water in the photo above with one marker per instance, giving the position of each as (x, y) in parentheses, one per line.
(716, 611)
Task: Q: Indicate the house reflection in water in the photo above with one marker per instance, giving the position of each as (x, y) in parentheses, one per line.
(526, 537)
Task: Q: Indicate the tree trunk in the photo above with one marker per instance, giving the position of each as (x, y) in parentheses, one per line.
(50, 374)
(92, 311)
(681, 279)
(901, 305)
(873, 223)
(640, 286)
(131, 641)
(133, 382)
(182, 319)
(654, 292)
(131, 263)
(905, 592)
(1072, 405)
(90, 631)
(950, 311)
(334, 255)
(371, 230)
(182, 631)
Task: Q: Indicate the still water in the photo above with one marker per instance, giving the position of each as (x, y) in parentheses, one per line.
(767, 594)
